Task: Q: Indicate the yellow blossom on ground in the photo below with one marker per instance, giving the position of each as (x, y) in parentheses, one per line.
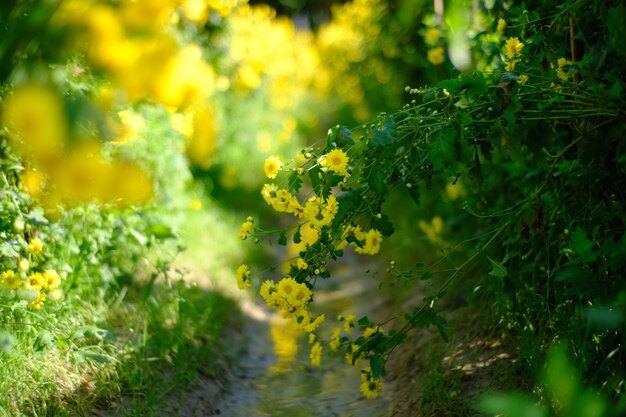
(336, 161)
(272, 166)
(35, 246)
(51, 279)
(243, 277)
(501, 25)
(436, 55)
(245, 229)
(513, 47)
(38, 302)
(10, 280)
(316, 354)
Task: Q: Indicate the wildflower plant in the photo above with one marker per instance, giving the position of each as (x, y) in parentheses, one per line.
(479, 131)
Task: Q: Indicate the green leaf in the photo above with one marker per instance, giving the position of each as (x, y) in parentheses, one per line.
(444, 148)
(376, 179)
(314, 174)
(582, 246)
(364, 322)
(44, 340)
(7, 250)
(160, 231)
(384, 134)
(511, 405)
(294, 182)
(7, 341)
(377, 365)
(615, 18)
(340, 136)
(85, 354)
(282, 238)
(383, 225)
(414, 193)
(498, 270)
(297, 237)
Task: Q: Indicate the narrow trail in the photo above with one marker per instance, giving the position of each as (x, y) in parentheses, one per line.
(275, 377)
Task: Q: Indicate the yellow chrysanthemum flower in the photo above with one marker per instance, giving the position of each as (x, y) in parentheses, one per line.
(272, 166)
(38, 302)
(336, 161)
(34, 282)
(373, 239)
(513, 47)
(245, 229)
(301, 264)
(501, 25)
(436, 55)
(35, 246)
(269, 193)
(51, 279)
(243, 277)
(316, 354)
(371, 388)
(335, 339)
(560, 72)
(371, 331)
(10, 280)
(432, 35)
(348, 323)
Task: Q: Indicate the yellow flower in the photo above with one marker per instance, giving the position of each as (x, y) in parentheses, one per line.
(513, 47)
(269, 193)
(563, 74)
(436, 55)
(268, 290)
(245, 229)
(38, 302)
(510, 65)
(371, 331)
(501, 25)
(335, 339)
(35, 246)
(371, 388)
(336, 161)
(243, 277)
(301, 264)
(373, 238)
(203, 132)
(10, 280)
(432, 36)
(51, 280)
(34, 282)
(348, 323)
(35, 118)
(522, 79)
(272, 166)
(316, 354)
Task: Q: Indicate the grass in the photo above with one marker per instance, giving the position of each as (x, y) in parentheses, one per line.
(130, 352)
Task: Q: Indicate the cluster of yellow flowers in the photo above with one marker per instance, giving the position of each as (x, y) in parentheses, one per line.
(513, 52)
(34, 287)
(58, 172)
